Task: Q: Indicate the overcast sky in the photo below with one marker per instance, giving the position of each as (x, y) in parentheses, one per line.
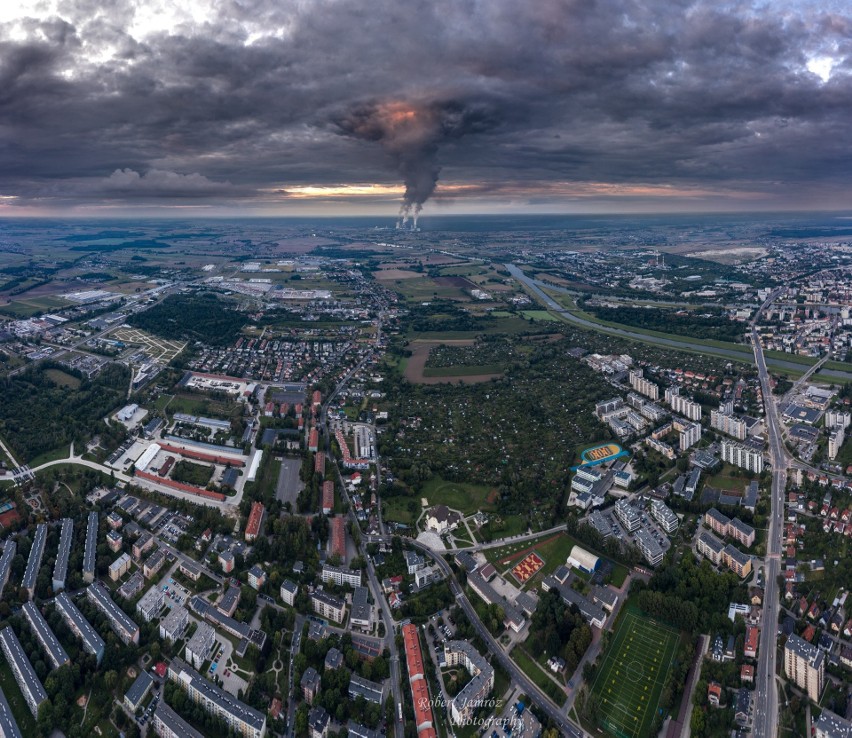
(362, 106)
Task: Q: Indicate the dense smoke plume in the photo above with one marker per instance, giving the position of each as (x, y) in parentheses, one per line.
(412, 133)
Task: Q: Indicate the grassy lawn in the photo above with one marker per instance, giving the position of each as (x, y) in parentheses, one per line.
(424, 288)
(62, 379)
(57, 453)
(25, 306)
(267, 477)
(632, 675)
(191, 473)
(555, 554)
(465, 497)
(162, 401)
(20, 711)
(619, 574)
(728, 479)
(200, 405)
(399, 509)
(534, 672)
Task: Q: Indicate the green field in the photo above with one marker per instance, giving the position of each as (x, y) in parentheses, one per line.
(419, 289)
(62, 379)
(540, 315)
(25, 307)
(554, 552)
(57, 453)
(631, 678)
(462, 371)
(465, 497)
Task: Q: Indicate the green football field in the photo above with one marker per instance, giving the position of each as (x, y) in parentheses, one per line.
(631, 677)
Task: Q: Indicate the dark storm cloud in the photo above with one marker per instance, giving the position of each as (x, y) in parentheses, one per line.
(412, 134)
(259, 96)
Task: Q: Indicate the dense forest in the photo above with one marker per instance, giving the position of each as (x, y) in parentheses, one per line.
(199, 317)
(558, 630)
(690, 595)
(38, 415)
(716, 327)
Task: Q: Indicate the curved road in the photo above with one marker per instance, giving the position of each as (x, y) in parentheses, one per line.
(742, 356)
(226, 507)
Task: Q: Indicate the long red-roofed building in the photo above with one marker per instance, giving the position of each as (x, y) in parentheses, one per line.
(338, 537)
(419, 690)
(218, 496)
(254, 520)
(319, 463)
(199, 456)
(313, 440)
(327, 497)
(317, 398)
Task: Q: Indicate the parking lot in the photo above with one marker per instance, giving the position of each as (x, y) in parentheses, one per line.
(175, 593)
(152, 705)
(648, 522)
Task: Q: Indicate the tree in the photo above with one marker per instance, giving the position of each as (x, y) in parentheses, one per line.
(44, 720)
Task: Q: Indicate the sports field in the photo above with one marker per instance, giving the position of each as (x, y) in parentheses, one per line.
(526, 568)
(631, 678)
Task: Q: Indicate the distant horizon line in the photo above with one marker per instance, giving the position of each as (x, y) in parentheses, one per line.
(427, 218)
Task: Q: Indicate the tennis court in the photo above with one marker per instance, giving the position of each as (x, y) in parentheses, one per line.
(632, 676)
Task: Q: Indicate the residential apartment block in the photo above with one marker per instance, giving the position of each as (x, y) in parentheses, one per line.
(91, 550)
(56, 655)
(804, 664)
(643, 386)
(328, 606)
(469, 699)
(340, 576)
(34, 560)
(238, 716)
(121, 624)
(60, 566)
(728, 423)
(742, 456)
(82, 628)
(682, 405)
(31, 688)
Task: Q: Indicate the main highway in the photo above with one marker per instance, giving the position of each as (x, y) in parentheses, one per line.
(766, 693)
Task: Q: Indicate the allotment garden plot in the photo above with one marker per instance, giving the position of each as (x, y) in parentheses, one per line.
(632, 676)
